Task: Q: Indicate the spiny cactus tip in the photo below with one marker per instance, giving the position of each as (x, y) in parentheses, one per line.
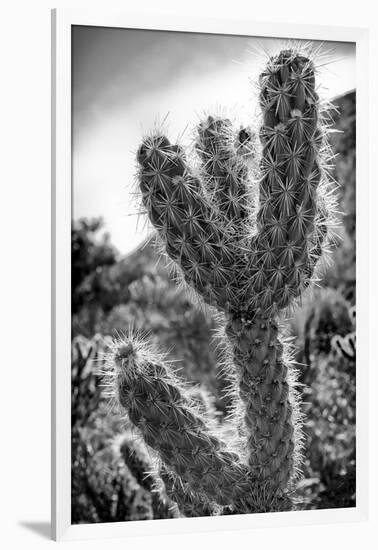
(124, 350)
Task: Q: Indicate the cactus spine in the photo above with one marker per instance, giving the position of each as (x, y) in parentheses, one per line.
(249, 261)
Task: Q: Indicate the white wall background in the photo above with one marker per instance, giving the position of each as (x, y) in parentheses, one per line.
(25, 276)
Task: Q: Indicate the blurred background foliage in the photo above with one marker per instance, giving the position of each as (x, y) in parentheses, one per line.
(113, 294)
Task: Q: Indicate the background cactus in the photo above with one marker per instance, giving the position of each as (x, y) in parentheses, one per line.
(246, 231)
(346, 345)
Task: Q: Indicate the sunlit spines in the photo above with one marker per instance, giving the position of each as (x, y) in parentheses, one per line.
(158, 406)
(185, 221)
(224, 170)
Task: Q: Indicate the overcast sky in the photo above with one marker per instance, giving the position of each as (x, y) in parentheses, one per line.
(126, 80)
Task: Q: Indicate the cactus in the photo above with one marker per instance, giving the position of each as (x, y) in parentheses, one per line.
(245, 226)
(140, 465)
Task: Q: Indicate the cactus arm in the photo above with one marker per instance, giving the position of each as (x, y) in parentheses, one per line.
(139, 463)
(137, 459)
(224, 171)
(293, 139)
(185, 221)
(157, 406)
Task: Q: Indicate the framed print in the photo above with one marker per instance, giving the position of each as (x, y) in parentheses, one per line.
(209, 213)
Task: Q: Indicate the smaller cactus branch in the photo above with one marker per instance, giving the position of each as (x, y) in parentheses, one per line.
(224, 171)
(185, 221)
(138, 461)
(158, 407)
(293, 136)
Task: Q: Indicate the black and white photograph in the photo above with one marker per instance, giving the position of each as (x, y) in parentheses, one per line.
(213, 275)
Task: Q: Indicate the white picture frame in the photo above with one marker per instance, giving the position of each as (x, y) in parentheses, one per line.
(62, 21)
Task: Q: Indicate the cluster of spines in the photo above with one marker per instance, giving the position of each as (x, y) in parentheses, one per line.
(224, 172)
(177, 207)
